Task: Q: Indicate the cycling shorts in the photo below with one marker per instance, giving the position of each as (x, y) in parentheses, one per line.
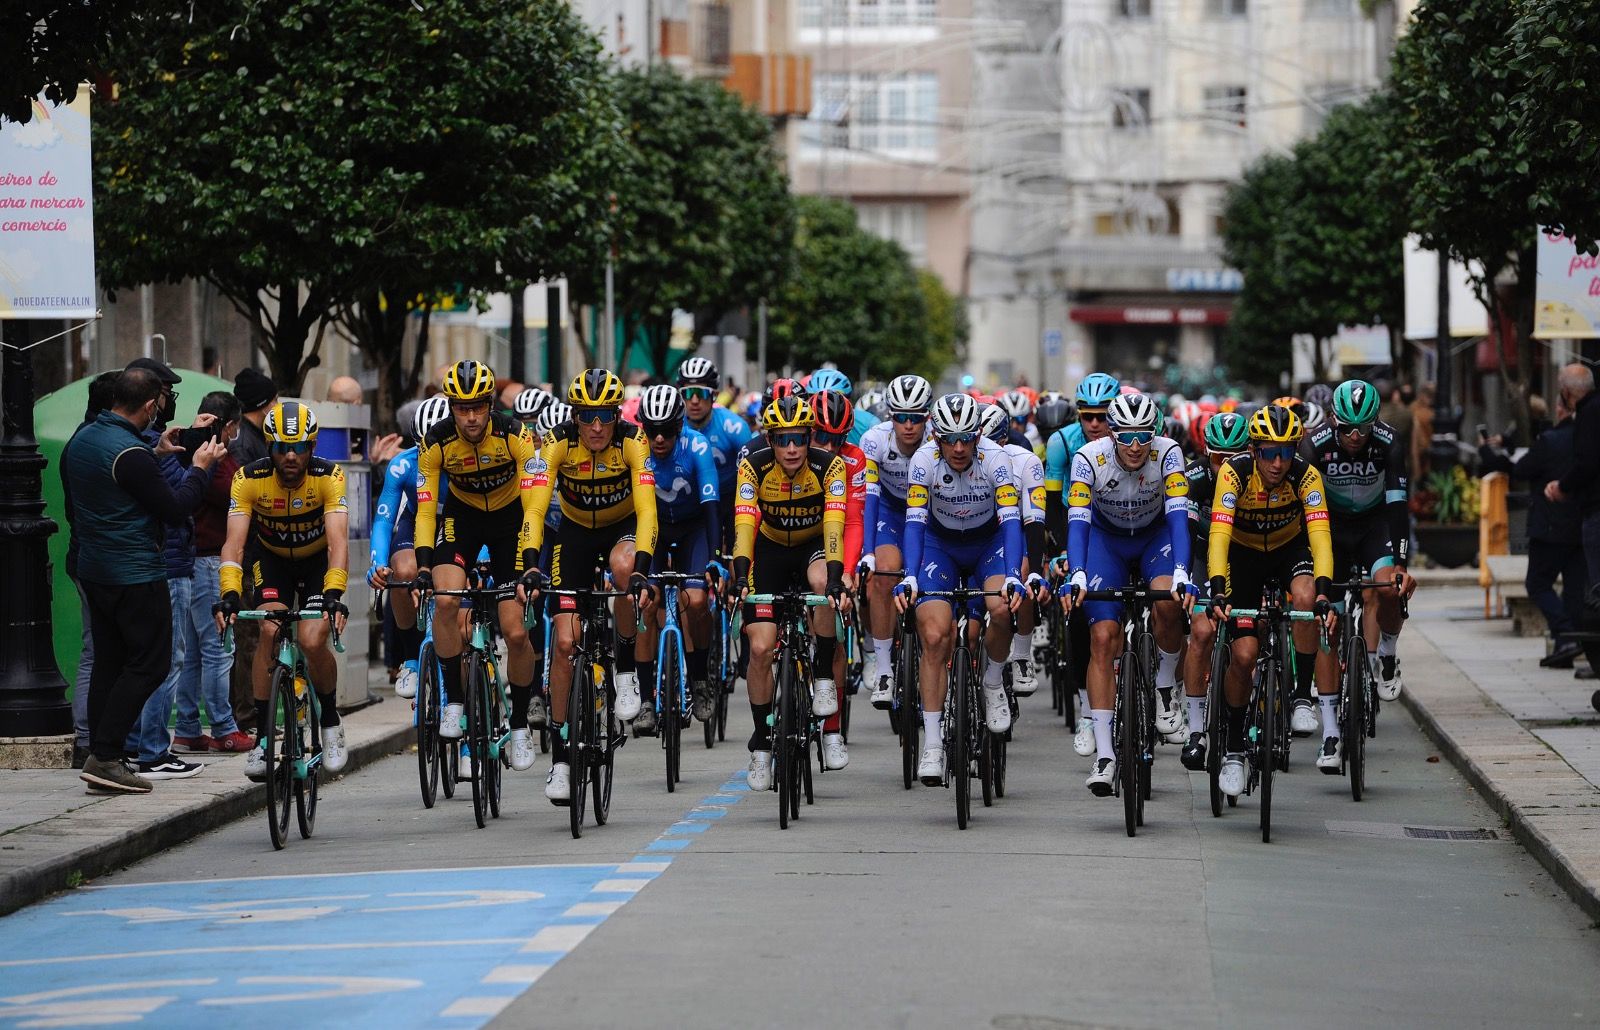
(1115, 560)
(1252, 570)
(891, 528)
(1364, 539)
(579, 550)
(948, 562)
(775, 568)
(684, 545)
(294, 582)
(465, 532)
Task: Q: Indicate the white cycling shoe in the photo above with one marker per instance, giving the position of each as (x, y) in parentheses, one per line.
(1102, 777)
(1304, 721)
(1387, 678)
(628, 703)
(558, 785)
(1331, 758)
(450, 721)
(834, 753)
(1083, 737)
(334, 755)
(996, 709)
(824, 698)
(930, 769)
(1231, 778)
(759, 775)
(883, 693)
(255, 765)
(522, 750)
(1023, 681)
(1041, 637)
(1169, 711)
(405, 684)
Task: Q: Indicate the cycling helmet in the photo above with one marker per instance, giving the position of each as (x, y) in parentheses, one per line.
(1227, 433)
(1292, 403)
(661, 405)
(698, 372)
(1098, 390)
(832, 412)
(995, 423)
(829, 379)
(787, 412)
(1314, 417)
(1320, 394)
(469, 380)
(1355, 403)
(954, 414)
(595, 388)
(405, 416)
(530, 402)
(1055, 412)
(1186, 413)
(430, 413)
(553, 415)
(290, 422)
(909, 395)
(1016, 404)
(876, 404)
(780, 388)
(1275, 424)
(1134, 411)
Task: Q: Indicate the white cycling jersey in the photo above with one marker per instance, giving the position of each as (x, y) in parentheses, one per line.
(1111, 497)
(1027, 471)
(952, 502)
(887, 465)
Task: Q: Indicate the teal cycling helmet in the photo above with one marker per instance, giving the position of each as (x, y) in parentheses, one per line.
(824, 379)
(1098, 390)
(1227, 432)
(1355, 403)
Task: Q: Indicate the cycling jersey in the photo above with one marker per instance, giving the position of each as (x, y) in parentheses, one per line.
(1126, 502)
(396, 501)
(1058, 451)
(1364, 485)
(598, 488)
(1246, 513)
(488, 476)
(688, 495)
(287, 522)
(726, 433)
(884, 518)
(1028, 473)
(1202, 488)
(791, 511)
(855, 467)
(970, 506)
(861, 421)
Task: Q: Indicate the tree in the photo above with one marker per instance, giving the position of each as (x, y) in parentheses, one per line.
(309, 159)
(704, 218)
(1254, 215)
(49, 47)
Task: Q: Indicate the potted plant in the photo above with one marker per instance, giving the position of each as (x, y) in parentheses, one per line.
(1446, 506)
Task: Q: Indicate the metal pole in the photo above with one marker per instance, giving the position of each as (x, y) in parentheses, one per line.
(552, 336)
(33, 696)
(612, 346)
(761, 345)
(517, 335)
(1443, 451)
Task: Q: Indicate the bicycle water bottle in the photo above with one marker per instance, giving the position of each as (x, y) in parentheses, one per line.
(301, 700)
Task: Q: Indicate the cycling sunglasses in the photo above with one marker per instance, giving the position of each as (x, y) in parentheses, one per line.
(791, 439)
(591, 416)
(1275, 452)
(662, 430)
(1091, 416)
(696, 393)
(910, 418)
(959, 437)
(1353, 428)
(291, 448)
(1130, 437)
(468, 405)
(822, 439)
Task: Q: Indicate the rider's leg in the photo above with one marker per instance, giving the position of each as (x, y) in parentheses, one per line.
(621, 564)
(882, 611)
(1105, 644)
(763, 637)
(1197, 669)
(934, 626)
(323, 668)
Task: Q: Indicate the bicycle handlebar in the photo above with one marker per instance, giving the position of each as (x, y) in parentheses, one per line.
(811, 600)
(280, 615)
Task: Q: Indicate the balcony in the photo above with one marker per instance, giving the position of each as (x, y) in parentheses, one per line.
(777, 85)
(701, 43)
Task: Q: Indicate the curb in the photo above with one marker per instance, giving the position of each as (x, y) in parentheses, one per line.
(61, 872)
(1584, 892)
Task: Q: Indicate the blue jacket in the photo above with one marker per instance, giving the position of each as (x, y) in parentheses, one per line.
(179, 549)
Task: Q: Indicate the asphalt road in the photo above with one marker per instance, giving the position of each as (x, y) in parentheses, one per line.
(872, 910)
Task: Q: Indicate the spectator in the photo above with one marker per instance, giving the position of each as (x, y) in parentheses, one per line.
(1421, 432)
(1396, 414)
(1581, 483)
(211, 361)
(100, 390)
(345, 390)
(120, 502)
(257, 394)
(1554, 533)
(207, 667)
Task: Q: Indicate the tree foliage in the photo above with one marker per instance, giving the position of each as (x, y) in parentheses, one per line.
(50, 46)
(1257, 207)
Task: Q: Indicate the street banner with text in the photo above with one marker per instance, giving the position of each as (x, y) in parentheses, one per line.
(1567, 306)
(47, 213)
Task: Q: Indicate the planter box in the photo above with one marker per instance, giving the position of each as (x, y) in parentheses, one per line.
(1449, 546)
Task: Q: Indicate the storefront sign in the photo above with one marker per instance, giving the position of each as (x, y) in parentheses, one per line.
(1106, 314)
(1205, 280)
(47, 214)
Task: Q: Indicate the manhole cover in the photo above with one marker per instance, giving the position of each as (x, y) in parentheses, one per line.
(1400, 831)
(1442, 833)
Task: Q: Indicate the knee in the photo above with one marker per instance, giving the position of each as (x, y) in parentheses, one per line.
(935, 637)
(516, 637)
(761, 650)
(446, 608)
(1104, 636)
(699, 603)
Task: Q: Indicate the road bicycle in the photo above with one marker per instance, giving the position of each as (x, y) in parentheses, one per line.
(592, 733)
(486, 699)
(905, 700)
(672, 702)
(1358, 697)
(794, 729)
(437, 758)
(292, 742)
(720, 670)
(967, 740)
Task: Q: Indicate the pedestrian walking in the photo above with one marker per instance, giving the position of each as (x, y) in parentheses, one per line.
(1581, 483)
(121, 503)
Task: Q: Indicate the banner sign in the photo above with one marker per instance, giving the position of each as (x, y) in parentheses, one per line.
(47, 214)
(1468, 316)
(1567, 306)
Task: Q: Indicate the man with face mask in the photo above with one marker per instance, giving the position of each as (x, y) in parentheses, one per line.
(121, 505)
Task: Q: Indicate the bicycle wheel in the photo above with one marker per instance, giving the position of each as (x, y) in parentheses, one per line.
(1354, 723)
(999, 759)
(782, 759)
(449, 766)
(279, 747)
(797, 710)
(472, 678)
(714, 677)
(580, 702)
(1216, 716)
(958, 748)
(305, 790)
(1127, 742)
(1148, 738)
(906, 703)
(427, 703)
(498, 755)
(608, 735)
(670, 698)
(1267, 741)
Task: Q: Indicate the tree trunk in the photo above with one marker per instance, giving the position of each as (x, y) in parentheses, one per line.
(419, 357)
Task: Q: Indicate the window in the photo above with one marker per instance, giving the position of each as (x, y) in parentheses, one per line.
(1227, 8)
(866, 14)
(1224, 107)
(895, 114)
(1130, 108)
(905, 224)
(1331, 9)
(1324, 98)
(1133, 8)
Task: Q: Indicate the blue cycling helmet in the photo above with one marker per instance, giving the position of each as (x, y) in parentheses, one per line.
(1098, 390)
(829, 379)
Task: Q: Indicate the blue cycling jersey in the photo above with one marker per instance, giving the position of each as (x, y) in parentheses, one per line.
(399, 488)
(1058, 452)
(726, 433)
(861, 420)
(686, 479)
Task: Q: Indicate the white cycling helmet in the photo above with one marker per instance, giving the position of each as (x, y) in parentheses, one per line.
(1134, 411)
(1015, 403)
(954, 414)
(909, 394)
(697, 372)
(995, 423)
(1313, 417)
(530, 402)
(553, 415)
(662, 404)
(875, 404)
(430, 413)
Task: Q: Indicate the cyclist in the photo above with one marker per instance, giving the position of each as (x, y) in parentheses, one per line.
(831, 412)
(394, 536)
(1093, 396)
(687, 500)
(1027, 472)
(291, 506)
(825, 379)
(554, 414)
(1363, 467)
(529, 403)
(876, 404)
(726, 432)
(484, 460)
(1269, 522)
(1054, 413)
(1224, 436)
(1122, 486)
(791, 499)
(1019, 411)
(963, 526)
(889, 448)
(608, 517)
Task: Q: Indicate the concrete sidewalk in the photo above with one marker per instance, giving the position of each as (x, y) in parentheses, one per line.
(1526, 738)
(54, 836)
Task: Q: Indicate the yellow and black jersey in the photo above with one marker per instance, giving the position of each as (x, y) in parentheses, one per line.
(598, 488)
(1246, 512)
(289, 522)
(791, 511)
(492, 474)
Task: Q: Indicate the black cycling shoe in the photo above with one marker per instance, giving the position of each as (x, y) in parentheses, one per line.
(1193, 755)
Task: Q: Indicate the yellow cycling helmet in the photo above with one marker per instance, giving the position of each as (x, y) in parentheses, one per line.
(469, 380)
(290, 422)
(790, 412)
(595, 388)
(1275, 424)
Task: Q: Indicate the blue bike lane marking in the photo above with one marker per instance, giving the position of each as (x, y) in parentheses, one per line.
(386, 950)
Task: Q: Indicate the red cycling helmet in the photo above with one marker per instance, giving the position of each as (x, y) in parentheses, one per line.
(833, 412)
(781, 388)
(1197, 432)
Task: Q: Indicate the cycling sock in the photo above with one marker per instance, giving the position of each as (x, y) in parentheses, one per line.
(450, 671)
(1197, 713)
(1021, 647)
(558, 742)
(1102, 732)
(1083, 702)
(833, 722)
(647, 683)
(411, 643)
(1305, 664)
(825, 649)
(1166, 668)
(626, 662)
(520, 696)
(328, 705)
(994, 674)
(759, 714)
(931, 731)
(881, 649)
(1236, 720)
(1386, 644)
(697, 664)
(264, 721)
(1330, 714)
